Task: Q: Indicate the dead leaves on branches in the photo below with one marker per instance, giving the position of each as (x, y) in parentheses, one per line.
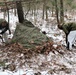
(49, 47)
(16, 52)
(45, 48)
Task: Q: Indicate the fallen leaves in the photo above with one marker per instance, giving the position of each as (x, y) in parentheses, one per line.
(49, 47)
(16, 53)
(11, 67)
(45, 48)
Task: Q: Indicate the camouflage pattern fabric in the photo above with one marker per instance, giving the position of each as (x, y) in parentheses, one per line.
(28, 35)
(2, 20)
(69, 27)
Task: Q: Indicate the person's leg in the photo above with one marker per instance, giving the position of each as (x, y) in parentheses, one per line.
(71, 39)
(5, 36)
(1, 37)
(66, 38)
(67, 45)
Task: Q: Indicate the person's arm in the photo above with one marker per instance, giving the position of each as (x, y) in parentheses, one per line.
(65, 29)
(4, 30)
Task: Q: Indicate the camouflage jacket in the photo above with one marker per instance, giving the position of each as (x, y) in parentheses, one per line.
(68, 27)
(3, 28)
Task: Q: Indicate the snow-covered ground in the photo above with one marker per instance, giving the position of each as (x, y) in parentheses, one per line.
(52, 64)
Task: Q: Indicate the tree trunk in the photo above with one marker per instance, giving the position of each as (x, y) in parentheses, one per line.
(20, 11)
(57, 16)
(28, 10)
(61, 12)
(15, 12)
(7, 9)
(52, 10)
(34, 12)
(43, 10)
(46, 14)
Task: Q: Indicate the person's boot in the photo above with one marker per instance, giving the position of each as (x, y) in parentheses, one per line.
(67, 46)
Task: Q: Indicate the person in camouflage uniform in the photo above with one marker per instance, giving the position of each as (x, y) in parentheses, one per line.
(4, 26)
(67, 28)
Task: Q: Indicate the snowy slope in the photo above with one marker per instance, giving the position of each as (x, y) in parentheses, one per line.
(52, 64)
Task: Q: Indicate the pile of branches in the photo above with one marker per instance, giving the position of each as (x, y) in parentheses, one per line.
(15, 52)
(45, 48)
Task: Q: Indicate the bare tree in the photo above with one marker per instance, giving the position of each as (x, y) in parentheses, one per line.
(20, 11)
(57, 16)
(43, 9)
(61, 12)
(61, 16)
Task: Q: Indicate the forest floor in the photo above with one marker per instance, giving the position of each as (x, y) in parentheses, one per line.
(55, 60)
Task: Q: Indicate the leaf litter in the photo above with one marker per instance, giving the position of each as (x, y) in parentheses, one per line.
(16, 56)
